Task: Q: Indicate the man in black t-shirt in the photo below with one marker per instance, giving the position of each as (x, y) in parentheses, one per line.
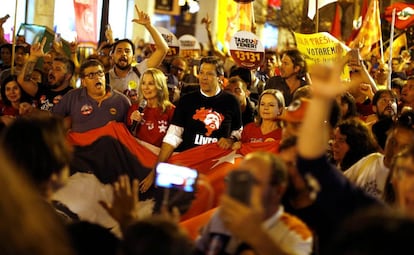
(58, 79)
(191, 127)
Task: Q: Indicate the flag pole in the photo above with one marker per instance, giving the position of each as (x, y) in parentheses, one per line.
(317, 17)
(391, 42)
(14, 40)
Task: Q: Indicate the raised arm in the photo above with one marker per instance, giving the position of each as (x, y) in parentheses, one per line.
(2, 21)
(358, 65)
(207, 21)
(36, 52)
(326, 85)
(161, 45)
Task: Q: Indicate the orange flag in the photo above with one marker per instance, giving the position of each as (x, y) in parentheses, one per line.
(369, 35)
(397, 44)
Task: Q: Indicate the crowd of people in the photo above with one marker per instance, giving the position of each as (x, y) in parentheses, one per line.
(344, 161)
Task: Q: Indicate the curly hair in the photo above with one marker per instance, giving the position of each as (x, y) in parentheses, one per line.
(360, 140)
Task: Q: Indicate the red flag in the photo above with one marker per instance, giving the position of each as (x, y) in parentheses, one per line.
(336, 24)
(404, 14)
(358, 22)
(120, 132)
(370, 33)
(86, 22)
(211, 162)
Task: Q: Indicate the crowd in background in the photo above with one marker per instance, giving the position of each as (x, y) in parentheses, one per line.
(342, 175)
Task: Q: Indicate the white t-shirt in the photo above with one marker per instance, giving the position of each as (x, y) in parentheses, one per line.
(289, 232)
(370, 174)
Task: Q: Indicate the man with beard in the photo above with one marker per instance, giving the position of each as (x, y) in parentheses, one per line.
(94, 104)
(123, 76)
(58, 78)
(292, 75)
(384, 105)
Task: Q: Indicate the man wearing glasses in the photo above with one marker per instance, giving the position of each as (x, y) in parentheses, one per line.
(94, 104)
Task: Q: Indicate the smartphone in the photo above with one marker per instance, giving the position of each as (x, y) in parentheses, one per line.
(354, 60)
(239, 185)
(58, 37)
(172, 176)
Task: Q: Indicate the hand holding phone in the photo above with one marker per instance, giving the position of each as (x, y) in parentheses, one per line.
(239, 185)
(354, 60)
(58, 38)
(174, 176)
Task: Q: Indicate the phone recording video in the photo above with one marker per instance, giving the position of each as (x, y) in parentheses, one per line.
(58, 38)
(172, 176)
(354, 61)
(239, 185)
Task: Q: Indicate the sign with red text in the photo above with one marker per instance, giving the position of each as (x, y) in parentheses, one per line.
(246, 50)
(189, 47)
(171, 39)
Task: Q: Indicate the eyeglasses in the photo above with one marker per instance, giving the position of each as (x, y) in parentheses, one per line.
(93, 75)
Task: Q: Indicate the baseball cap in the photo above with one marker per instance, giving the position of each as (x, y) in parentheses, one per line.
(295, 111)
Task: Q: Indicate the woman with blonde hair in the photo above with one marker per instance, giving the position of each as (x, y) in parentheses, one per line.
(150, 117)
(267, 125)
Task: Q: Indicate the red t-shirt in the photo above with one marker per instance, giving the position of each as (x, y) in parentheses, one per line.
(253, 134)
(154, 127)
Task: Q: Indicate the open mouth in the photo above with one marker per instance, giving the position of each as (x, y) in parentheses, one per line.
(123, 60)
(51, 77)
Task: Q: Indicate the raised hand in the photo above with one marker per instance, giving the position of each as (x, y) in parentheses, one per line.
(326, 79)
(37, 48)
(125, 201)
(143, 18)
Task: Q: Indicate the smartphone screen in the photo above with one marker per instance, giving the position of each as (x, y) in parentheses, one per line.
(174, 176)
(58, 37)
(239, 185)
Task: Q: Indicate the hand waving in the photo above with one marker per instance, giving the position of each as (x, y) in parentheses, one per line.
(125, 201)
(37, 48)
(143, 18)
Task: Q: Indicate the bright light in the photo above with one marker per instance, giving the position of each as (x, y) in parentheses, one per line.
(194, 7)
(181, 2)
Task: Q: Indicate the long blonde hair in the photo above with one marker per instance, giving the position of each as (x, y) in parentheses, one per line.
(161, 84)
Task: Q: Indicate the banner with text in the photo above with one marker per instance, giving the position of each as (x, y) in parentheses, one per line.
(320, 47)
(246, 50)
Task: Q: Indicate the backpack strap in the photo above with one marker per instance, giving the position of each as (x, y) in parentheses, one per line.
(136, 71)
